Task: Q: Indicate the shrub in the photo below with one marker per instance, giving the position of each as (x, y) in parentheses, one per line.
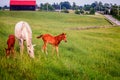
(77, 12)
(65, 10)
(81, 11)
(92, 11)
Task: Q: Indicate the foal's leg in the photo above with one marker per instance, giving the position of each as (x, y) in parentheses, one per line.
(53, 50)
(56, 47)
(7, 53)
(12, 51)
(44, 47)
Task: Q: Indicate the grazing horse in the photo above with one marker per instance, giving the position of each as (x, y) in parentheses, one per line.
(10, 43)
(23, 33)
(53, 40)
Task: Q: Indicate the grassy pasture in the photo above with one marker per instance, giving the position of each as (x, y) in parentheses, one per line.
(92, 54)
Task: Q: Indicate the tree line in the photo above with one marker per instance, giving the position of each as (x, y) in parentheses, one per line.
(105, 8)
(65, 6)
(115, 11)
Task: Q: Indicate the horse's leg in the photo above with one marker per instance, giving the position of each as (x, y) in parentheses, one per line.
(21, 46)
(56, 47)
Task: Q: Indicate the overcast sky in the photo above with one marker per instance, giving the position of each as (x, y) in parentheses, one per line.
(78, 2)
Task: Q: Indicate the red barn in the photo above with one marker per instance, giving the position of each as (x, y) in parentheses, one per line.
(22, 4)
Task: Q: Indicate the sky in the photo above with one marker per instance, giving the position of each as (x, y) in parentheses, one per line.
(78, 2)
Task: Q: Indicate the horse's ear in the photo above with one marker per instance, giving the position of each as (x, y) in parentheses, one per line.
(63, 33)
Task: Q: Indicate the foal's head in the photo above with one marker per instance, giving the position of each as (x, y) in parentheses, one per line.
(7, 51)
(63, 36)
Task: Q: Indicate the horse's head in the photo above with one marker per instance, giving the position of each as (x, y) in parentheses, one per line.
(31, 50)
(7, 51)
(64, 37)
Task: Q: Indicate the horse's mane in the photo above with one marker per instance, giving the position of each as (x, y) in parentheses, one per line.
(26, 25)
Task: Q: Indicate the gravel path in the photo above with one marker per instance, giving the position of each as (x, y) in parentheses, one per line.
(112, 19)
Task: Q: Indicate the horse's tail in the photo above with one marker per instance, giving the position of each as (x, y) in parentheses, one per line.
(39, 36)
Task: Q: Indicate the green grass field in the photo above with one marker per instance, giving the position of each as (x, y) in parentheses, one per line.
(92, 54)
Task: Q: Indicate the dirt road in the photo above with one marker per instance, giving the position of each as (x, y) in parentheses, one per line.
(112, 19)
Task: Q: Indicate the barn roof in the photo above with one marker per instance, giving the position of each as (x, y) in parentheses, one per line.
(22, 2)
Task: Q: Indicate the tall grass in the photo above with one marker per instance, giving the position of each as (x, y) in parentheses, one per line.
(88, 55)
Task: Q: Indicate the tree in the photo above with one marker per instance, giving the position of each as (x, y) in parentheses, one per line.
(65, 4)
(92, 11)
(0, 8)
(47, 7)
(81, 11)
(74, 6)
(65, 10)
(87, 7)
(100, 6)
(77, 11)
(56, 6)
(114, 10)
(93, 5)
(41, 6)
(5, 7)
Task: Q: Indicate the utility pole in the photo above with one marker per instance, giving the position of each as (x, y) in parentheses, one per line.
(47, 6)
(60, 8)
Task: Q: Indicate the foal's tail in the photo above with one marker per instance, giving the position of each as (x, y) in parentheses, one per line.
(39, 36)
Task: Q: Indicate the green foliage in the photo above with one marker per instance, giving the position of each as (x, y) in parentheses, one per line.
(65, 4)
(117, 17)
(46, 7)
(92, 11)
(0, 8)
(115, 11)
(92, 54)
(64, 10)
(81, 11)
(77, 11)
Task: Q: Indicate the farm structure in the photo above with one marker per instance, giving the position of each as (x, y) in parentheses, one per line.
(23, 5)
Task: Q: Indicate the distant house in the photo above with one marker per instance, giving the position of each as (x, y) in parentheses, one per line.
(22, 5)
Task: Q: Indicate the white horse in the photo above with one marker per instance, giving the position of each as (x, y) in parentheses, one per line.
(23, 33)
